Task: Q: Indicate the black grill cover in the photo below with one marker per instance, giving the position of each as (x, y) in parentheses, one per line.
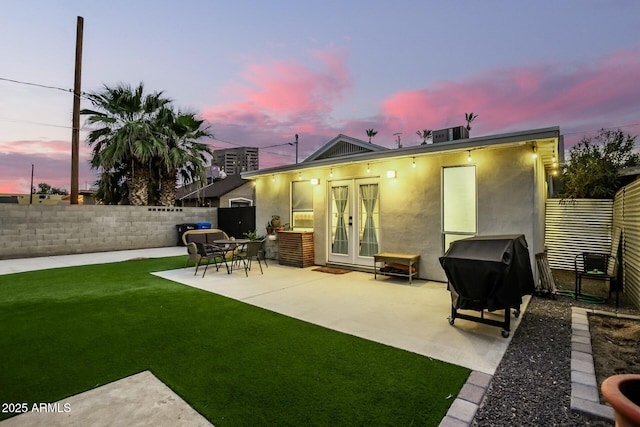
(488, 272)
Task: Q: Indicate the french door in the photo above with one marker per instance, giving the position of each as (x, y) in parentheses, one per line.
(354, 215)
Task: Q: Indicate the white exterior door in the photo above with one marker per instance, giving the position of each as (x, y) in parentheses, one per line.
(354, 221)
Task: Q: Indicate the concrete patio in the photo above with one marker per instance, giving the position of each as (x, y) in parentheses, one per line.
(388, 310)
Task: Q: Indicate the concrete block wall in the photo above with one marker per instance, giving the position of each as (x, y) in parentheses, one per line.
(42, 230)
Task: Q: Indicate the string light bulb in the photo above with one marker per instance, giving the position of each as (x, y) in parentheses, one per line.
(468, 155)
(413, 165)
(368, 170)
(331, 173)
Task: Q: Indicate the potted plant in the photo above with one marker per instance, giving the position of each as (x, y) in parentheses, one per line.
(623, 393)
(253, 235)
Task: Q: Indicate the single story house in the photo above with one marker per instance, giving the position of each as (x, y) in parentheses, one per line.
(360, 199)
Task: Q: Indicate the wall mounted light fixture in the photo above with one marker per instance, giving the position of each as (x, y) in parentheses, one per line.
(468, 155)
(368, 169)
(413, 164)
(534, 153)
(331, 173)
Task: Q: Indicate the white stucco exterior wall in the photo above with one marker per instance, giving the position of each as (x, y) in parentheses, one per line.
(510, 200)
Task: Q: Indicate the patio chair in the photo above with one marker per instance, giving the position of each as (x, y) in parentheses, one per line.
(191, 237)
(211, 252)
(250, 251)
(596, 266)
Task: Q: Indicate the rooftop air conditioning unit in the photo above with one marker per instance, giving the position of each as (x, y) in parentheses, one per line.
(450, 134)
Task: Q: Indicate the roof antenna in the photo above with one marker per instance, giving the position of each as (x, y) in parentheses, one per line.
(397, 135)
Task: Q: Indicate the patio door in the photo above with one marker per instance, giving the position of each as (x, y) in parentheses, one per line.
(354, 217)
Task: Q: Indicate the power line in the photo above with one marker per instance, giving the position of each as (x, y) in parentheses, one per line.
(261, 148)
(598, 130)
(36, 84)
(82, 94)
(34, 123)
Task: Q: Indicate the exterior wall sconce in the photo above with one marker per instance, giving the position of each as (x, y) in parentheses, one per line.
(299, 176)
(368, 169)
(391, 174)
(534, 154)
(468, 155)
(331, 173)
(413, 164)
(314, 181)
(273, 178)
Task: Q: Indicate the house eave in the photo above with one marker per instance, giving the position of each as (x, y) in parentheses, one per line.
(488, 141)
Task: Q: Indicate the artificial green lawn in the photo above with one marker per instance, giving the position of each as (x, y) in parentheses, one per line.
(68, 330)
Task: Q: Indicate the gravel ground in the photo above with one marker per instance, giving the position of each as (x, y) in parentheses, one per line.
(532, 385)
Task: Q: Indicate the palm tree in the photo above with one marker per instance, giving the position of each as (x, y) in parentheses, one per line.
(183, 155)
(126, 139)
(469, 117)
(424, 134)
(371, 133)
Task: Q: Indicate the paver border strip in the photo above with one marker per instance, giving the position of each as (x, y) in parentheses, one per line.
(585, 396)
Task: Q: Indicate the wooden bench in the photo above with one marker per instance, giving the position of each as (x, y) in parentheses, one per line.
(410, 260)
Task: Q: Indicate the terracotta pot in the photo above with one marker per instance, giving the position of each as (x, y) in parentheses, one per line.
(623, 393)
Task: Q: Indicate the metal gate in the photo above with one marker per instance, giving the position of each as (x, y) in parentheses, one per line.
(237, 221)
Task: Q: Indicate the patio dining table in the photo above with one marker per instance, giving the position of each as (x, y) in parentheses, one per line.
(231, 245)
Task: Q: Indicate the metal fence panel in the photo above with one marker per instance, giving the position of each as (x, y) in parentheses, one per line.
(627, 218)
(573, 226)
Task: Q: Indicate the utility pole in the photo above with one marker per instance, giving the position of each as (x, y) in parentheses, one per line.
(296, 148)
(31, 190)
(75, 131)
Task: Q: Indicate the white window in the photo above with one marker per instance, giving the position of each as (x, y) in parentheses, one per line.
(459, 203)
(301, 206)
(240, 202)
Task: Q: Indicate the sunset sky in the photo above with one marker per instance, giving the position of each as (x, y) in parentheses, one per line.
(261, 71)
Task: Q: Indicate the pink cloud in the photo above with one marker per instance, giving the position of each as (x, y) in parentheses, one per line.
(51, 161)
(287, 88)
(525, 97)
(278, 99)
(284, 93)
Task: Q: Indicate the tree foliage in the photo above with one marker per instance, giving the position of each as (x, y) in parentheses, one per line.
(469, 117)
(44, 188)
(371, 133)
(593, 171)
(140, 144)
(424, 134)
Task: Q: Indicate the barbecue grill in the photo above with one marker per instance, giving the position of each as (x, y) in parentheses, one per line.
(488, 273)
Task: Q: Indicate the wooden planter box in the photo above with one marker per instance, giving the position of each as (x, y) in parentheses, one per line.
(296, 248)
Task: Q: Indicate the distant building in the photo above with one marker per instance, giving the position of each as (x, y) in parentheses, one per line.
(234, 161)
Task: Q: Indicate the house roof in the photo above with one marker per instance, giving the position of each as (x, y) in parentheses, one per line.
(343, 145)
(214, 190)
(548, 142)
